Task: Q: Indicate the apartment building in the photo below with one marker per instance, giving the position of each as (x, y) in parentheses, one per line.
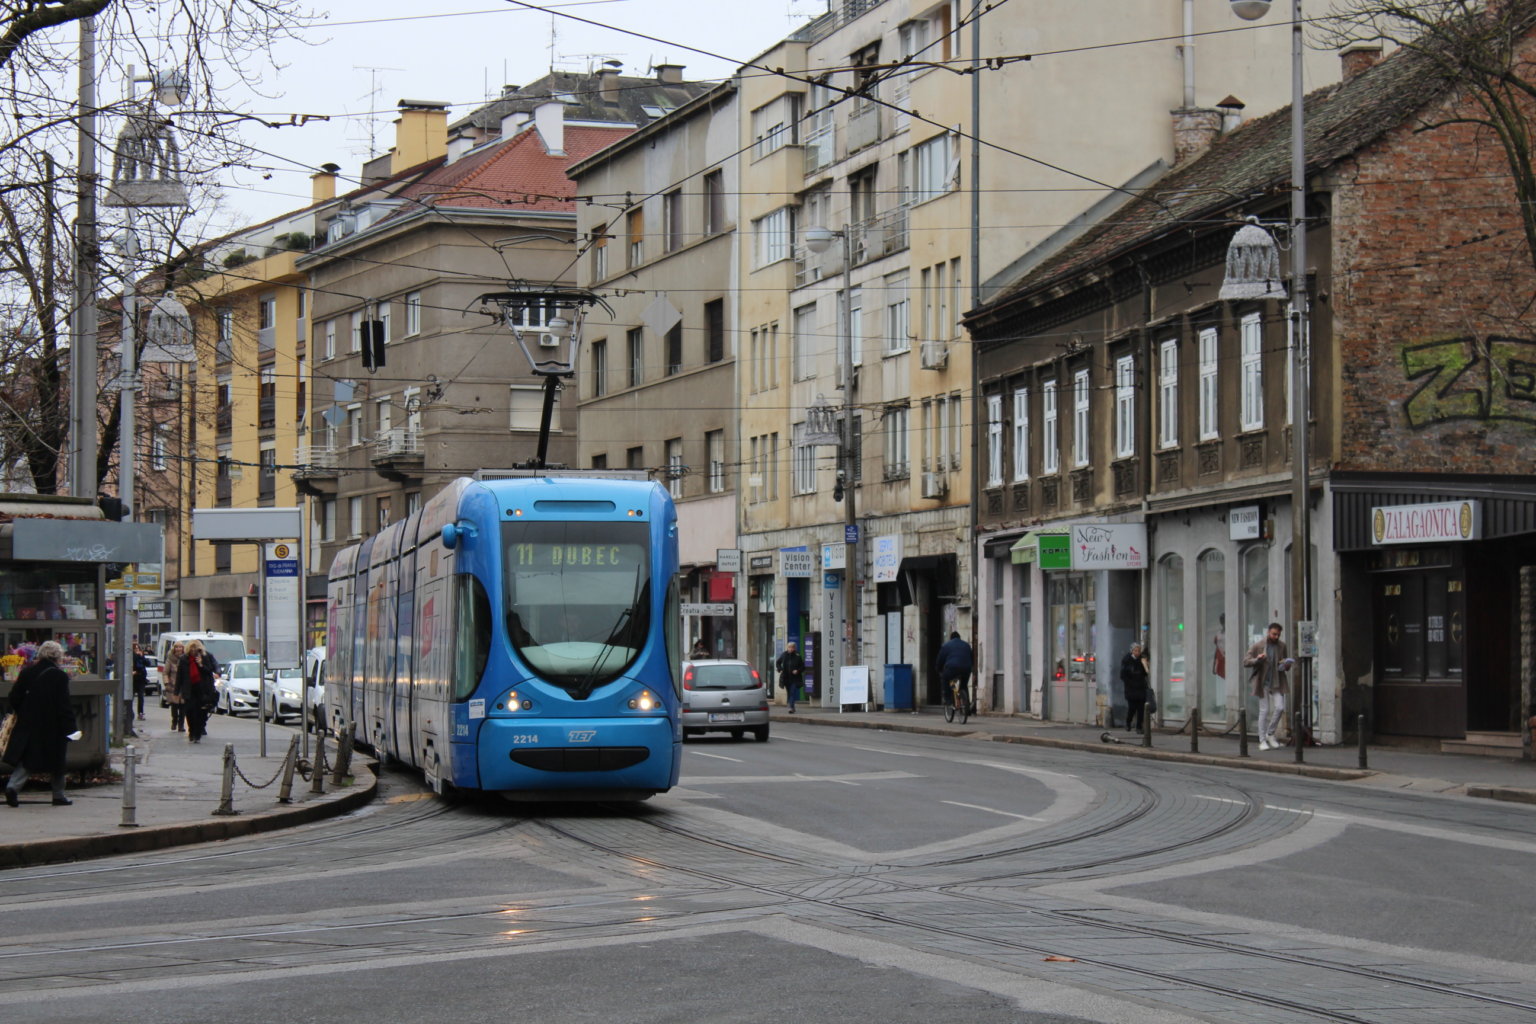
(927, 183)
(1137, 474)
(658, 386)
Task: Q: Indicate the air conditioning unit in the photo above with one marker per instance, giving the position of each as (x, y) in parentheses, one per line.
(935, 355)
(935, 485)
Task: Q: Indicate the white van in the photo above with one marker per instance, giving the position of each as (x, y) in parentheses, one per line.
(225, 647)
(314, 678)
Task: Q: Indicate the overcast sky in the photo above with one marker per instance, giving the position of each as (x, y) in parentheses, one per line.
(369, 54)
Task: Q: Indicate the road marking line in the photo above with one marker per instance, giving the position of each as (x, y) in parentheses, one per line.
(992, 810)
(700, 753)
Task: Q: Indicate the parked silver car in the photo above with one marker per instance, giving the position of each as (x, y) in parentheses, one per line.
(724, 696)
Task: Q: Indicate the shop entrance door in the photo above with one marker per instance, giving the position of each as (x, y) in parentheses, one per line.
(1073, 615)
(1420, 649)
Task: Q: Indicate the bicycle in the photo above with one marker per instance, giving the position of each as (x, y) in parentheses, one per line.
(957, 705)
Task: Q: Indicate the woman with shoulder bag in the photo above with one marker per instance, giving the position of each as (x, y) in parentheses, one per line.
(169, 684)
(195, 684)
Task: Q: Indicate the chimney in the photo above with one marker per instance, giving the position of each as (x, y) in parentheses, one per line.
(1231, 114)
(462, 141)
(513, 123)
(421, 133)
(608, 82)
(1194, 129)
(1357, 57)
(549, 119)
(669, 74)
(322, 186)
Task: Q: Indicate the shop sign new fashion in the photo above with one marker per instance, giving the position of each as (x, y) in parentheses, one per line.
(1421, 524)
(1109, 546)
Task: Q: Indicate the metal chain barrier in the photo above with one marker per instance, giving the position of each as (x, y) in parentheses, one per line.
(255, 785)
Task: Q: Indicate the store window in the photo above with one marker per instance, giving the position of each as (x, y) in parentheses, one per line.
(1172, 701)
(1212, 590)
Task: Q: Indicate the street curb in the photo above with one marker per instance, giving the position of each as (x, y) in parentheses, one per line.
(1121, 750)
(1509, 794)
(140, 840)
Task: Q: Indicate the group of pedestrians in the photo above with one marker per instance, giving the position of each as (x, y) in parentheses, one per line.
(40, 716)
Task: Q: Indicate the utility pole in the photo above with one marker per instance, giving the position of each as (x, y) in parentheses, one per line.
(82, 355)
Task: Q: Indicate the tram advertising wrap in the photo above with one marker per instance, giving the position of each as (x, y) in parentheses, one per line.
(519, 636)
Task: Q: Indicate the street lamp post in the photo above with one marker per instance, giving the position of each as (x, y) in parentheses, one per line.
(1301, 517)
(819, 240)
(146, 172)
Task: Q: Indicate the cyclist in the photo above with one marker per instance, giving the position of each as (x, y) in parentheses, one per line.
(954, 665)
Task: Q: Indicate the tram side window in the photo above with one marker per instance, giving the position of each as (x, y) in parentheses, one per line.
(472, 634)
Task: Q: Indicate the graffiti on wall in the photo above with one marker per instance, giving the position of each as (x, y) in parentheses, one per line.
(1471, 379)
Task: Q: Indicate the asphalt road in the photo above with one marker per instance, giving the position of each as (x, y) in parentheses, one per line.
(827, 875)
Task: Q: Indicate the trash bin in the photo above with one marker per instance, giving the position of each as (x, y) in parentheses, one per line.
(898, 688)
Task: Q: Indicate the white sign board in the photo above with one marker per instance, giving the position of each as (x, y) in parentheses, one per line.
(284, 605)
(708, 608)
(1109, 546)
(853, 684)
(1243, 523)
(1422, 524)
(247, 523)
(887, 557)
(834, 556)
(728, 559)
(797, 564)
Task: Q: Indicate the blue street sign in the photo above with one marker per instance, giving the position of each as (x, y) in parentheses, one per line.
(851, 533)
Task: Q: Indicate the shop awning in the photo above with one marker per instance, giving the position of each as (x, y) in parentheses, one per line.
(1051, 548)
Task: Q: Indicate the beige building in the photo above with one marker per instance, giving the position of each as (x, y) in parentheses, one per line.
(873, 135)
(658, 386)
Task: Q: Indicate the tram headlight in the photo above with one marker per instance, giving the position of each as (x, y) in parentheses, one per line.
(513, 702)
(646, 701)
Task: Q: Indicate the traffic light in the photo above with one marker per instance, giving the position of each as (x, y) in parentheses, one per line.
(371, 340)
(113, 508)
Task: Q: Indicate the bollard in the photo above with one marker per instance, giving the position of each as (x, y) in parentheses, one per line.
(285, 793)
(1242, 732)
(1194, 730)
(343, 756)
(1146, 727)
(227, 791)
(1296, 734)
(130, 787)
(1360, 730)
(317, 771)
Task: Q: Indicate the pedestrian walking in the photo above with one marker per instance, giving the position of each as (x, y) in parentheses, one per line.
(791, 674)
(1133, 683)
(1270, 661)
(169, 687)
(45, 723)
(198, 694)
(954, 665)
(140, 677)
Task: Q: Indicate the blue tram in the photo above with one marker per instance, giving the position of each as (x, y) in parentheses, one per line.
(520, 636)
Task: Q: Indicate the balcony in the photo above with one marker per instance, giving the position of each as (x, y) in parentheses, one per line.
(863, 127)
(223, 417)
(820, 148)
(222, 488)
(267, 412)
(880, 235)
(315, 460)
(396, 452)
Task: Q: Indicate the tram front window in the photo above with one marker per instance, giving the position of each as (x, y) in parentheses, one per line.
(577, 598)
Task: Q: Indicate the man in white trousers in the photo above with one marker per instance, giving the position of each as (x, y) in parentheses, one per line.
(1269, 661)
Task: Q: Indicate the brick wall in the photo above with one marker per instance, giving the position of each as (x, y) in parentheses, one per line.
(1436, 339)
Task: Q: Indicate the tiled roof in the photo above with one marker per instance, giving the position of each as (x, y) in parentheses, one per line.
(517, 173)
(1253, 160)
(584, 100)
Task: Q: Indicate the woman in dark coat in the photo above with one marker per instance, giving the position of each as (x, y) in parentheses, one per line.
(45, 720)
(194, 681)
(169, 684)
(1133, 679)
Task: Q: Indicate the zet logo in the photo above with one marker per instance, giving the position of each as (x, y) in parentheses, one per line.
(580, 735)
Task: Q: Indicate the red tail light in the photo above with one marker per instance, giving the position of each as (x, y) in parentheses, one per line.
(756, 676)
(688, 679)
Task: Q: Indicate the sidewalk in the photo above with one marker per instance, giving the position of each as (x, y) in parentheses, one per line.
(1400, 767)
(178, 783)
(177, 790)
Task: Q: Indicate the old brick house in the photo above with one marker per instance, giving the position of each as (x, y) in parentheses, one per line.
(1116, 390)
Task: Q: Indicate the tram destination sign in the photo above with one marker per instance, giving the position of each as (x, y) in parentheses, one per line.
(1426, 524)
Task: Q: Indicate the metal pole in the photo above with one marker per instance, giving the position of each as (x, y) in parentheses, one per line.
(1301, 518)
(1194, 731)
(317, 767)
(82, 356)
(1360, 732)
(551, 386)
(285, 792)
(261, 680)
(1146, 722)
(1242, 732)
(130, 787)
(850, 472)
(1296, 735)
(227, 787)
(126, 478)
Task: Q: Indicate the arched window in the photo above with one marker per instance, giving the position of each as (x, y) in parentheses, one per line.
(1215, 675)
(1171, 662)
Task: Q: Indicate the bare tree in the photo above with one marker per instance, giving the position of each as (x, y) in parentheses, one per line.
(1484, 51)
(213, 43)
